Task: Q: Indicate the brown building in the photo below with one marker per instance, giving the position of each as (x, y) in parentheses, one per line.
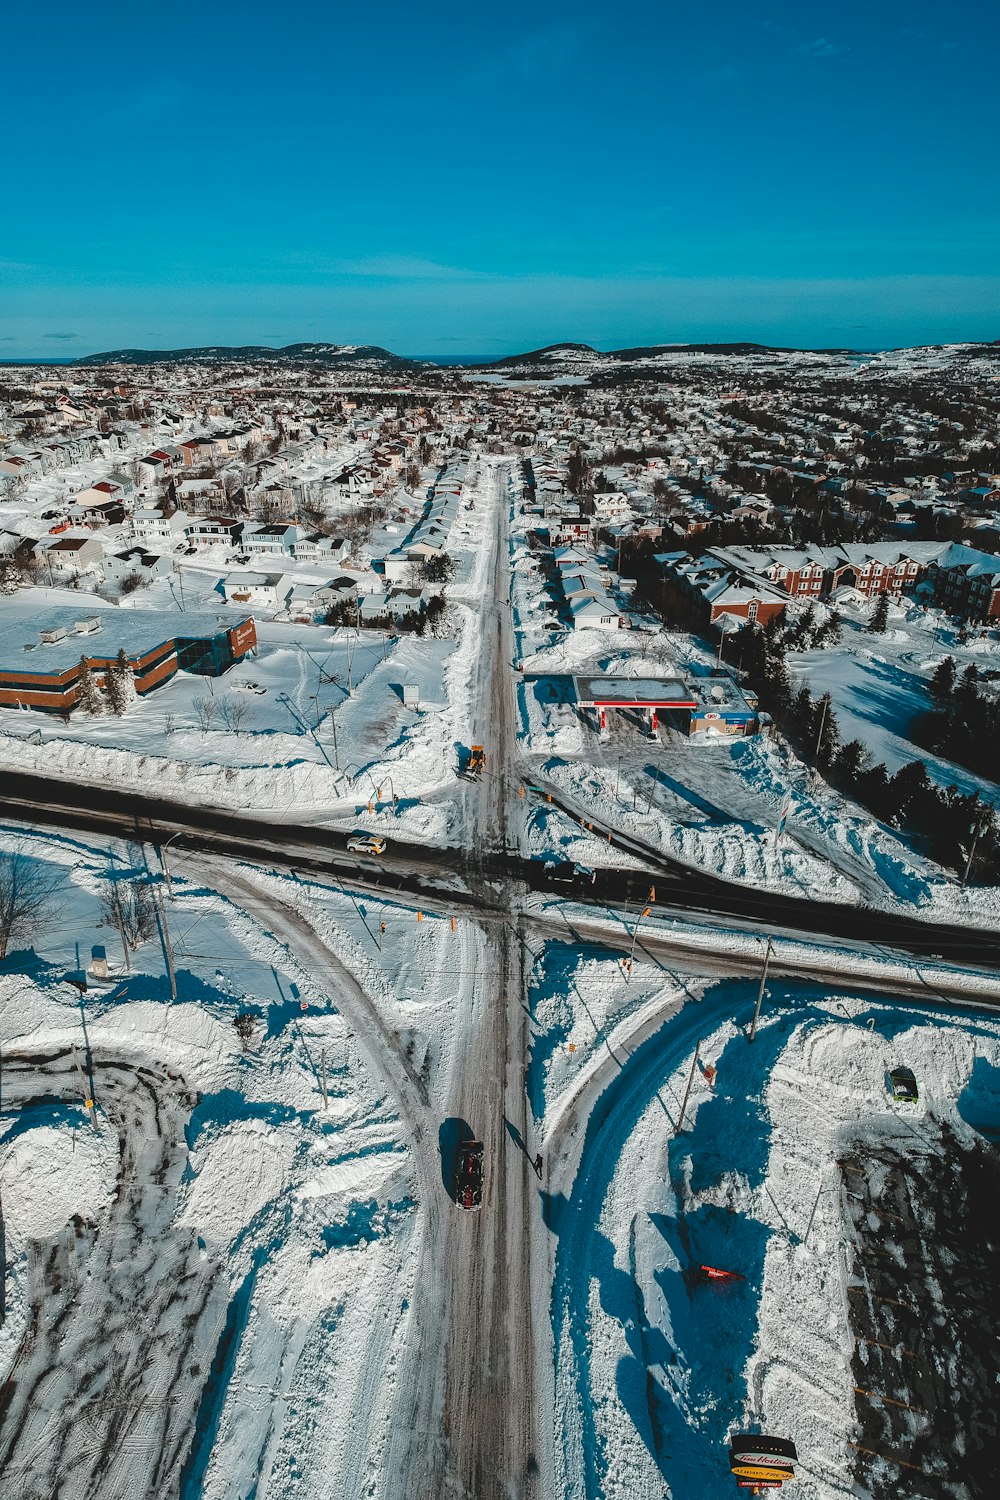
(40, 667)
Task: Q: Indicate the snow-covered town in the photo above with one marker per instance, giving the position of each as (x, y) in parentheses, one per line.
(499, 884)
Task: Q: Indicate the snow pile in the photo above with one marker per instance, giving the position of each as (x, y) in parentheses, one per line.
(48, 1175)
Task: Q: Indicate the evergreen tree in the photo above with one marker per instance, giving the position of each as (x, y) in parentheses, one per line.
(910, 791)
(88, 694)
(875, 789)
(806, 629)
(830, 633)
(850, 764)
(801, 712)
(120, 684)
(942, 685)
(969, 686)
(880, 616)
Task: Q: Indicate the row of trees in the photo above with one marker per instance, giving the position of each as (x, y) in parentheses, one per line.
(951, 825)
(963, 722)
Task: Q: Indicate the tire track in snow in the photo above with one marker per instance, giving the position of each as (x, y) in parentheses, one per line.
(124, 1314)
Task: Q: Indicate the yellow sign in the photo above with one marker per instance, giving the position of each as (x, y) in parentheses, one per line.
(762, 1471)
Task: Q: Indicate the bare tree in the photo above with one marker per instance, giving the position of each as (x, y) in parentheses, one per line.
(27, 890)
(236, 712)
(206, 711)
(127, 903)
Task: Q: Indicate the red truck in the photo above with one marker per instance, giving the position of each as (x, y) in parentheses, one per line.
(469, 1174)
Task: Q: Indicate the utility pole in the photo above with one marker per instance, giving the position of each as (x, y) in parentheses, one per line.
(822, 725)
(333, 725)
(120, 924)
(687, 1091)
(980, 825)
(760, 991)
(635, 933)
(167, 946)
(326, 1100)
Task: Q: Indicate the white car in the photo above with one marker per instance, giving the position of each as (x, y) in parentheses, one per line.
(367, 843)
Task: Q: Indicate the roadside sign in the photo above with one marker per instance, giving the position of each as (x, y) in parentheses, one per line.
(760, 1472)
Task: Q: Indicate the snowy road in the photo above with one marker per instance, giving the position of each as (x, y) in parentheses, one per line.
(125, 1310)
(446, 876)
(480, 1358)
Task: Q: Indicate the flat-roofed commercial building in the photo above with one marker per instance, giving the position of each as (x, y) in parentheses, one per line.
(44, 638)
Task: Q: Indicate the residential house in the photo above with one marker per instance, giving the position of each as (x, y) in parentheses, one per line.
(592, 611)
(715, 586)
(966, 583)
(75, 555)
(276, 540)
(213, 531)
(149, 524)
(314, 547)
(266, 591)
(96, 514)
(136, 560)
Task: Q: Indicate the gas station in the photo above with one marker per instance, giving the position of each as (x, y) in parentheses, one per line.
(651, 696)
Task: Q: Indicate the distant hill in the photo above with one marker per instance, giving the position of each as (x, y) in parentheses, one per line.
(582, 358)
(552, 352)
(654, 349)
(326, 354)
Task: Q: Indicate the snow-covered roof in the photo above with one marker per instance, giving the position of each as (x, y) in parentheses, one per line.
(632, 692)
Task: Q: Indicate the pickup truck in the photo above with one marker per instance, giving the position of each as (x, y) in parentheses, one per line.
(469, 1174)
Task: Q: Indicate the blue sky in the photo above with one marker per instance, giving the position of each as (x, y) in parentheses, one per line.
(466, 179)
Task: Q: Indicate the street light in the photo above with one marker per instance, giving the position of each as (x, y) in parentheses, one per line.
(163, 860)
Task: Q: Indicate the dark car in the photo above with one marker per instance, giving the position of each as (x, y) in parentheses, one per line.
(903, 1085)
(469, 1174)
(568, 872)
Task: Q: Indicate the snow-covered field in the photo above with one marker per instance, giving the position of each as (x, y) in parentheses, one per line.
(296, 1187)
(878, 683)
(655, 1366)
